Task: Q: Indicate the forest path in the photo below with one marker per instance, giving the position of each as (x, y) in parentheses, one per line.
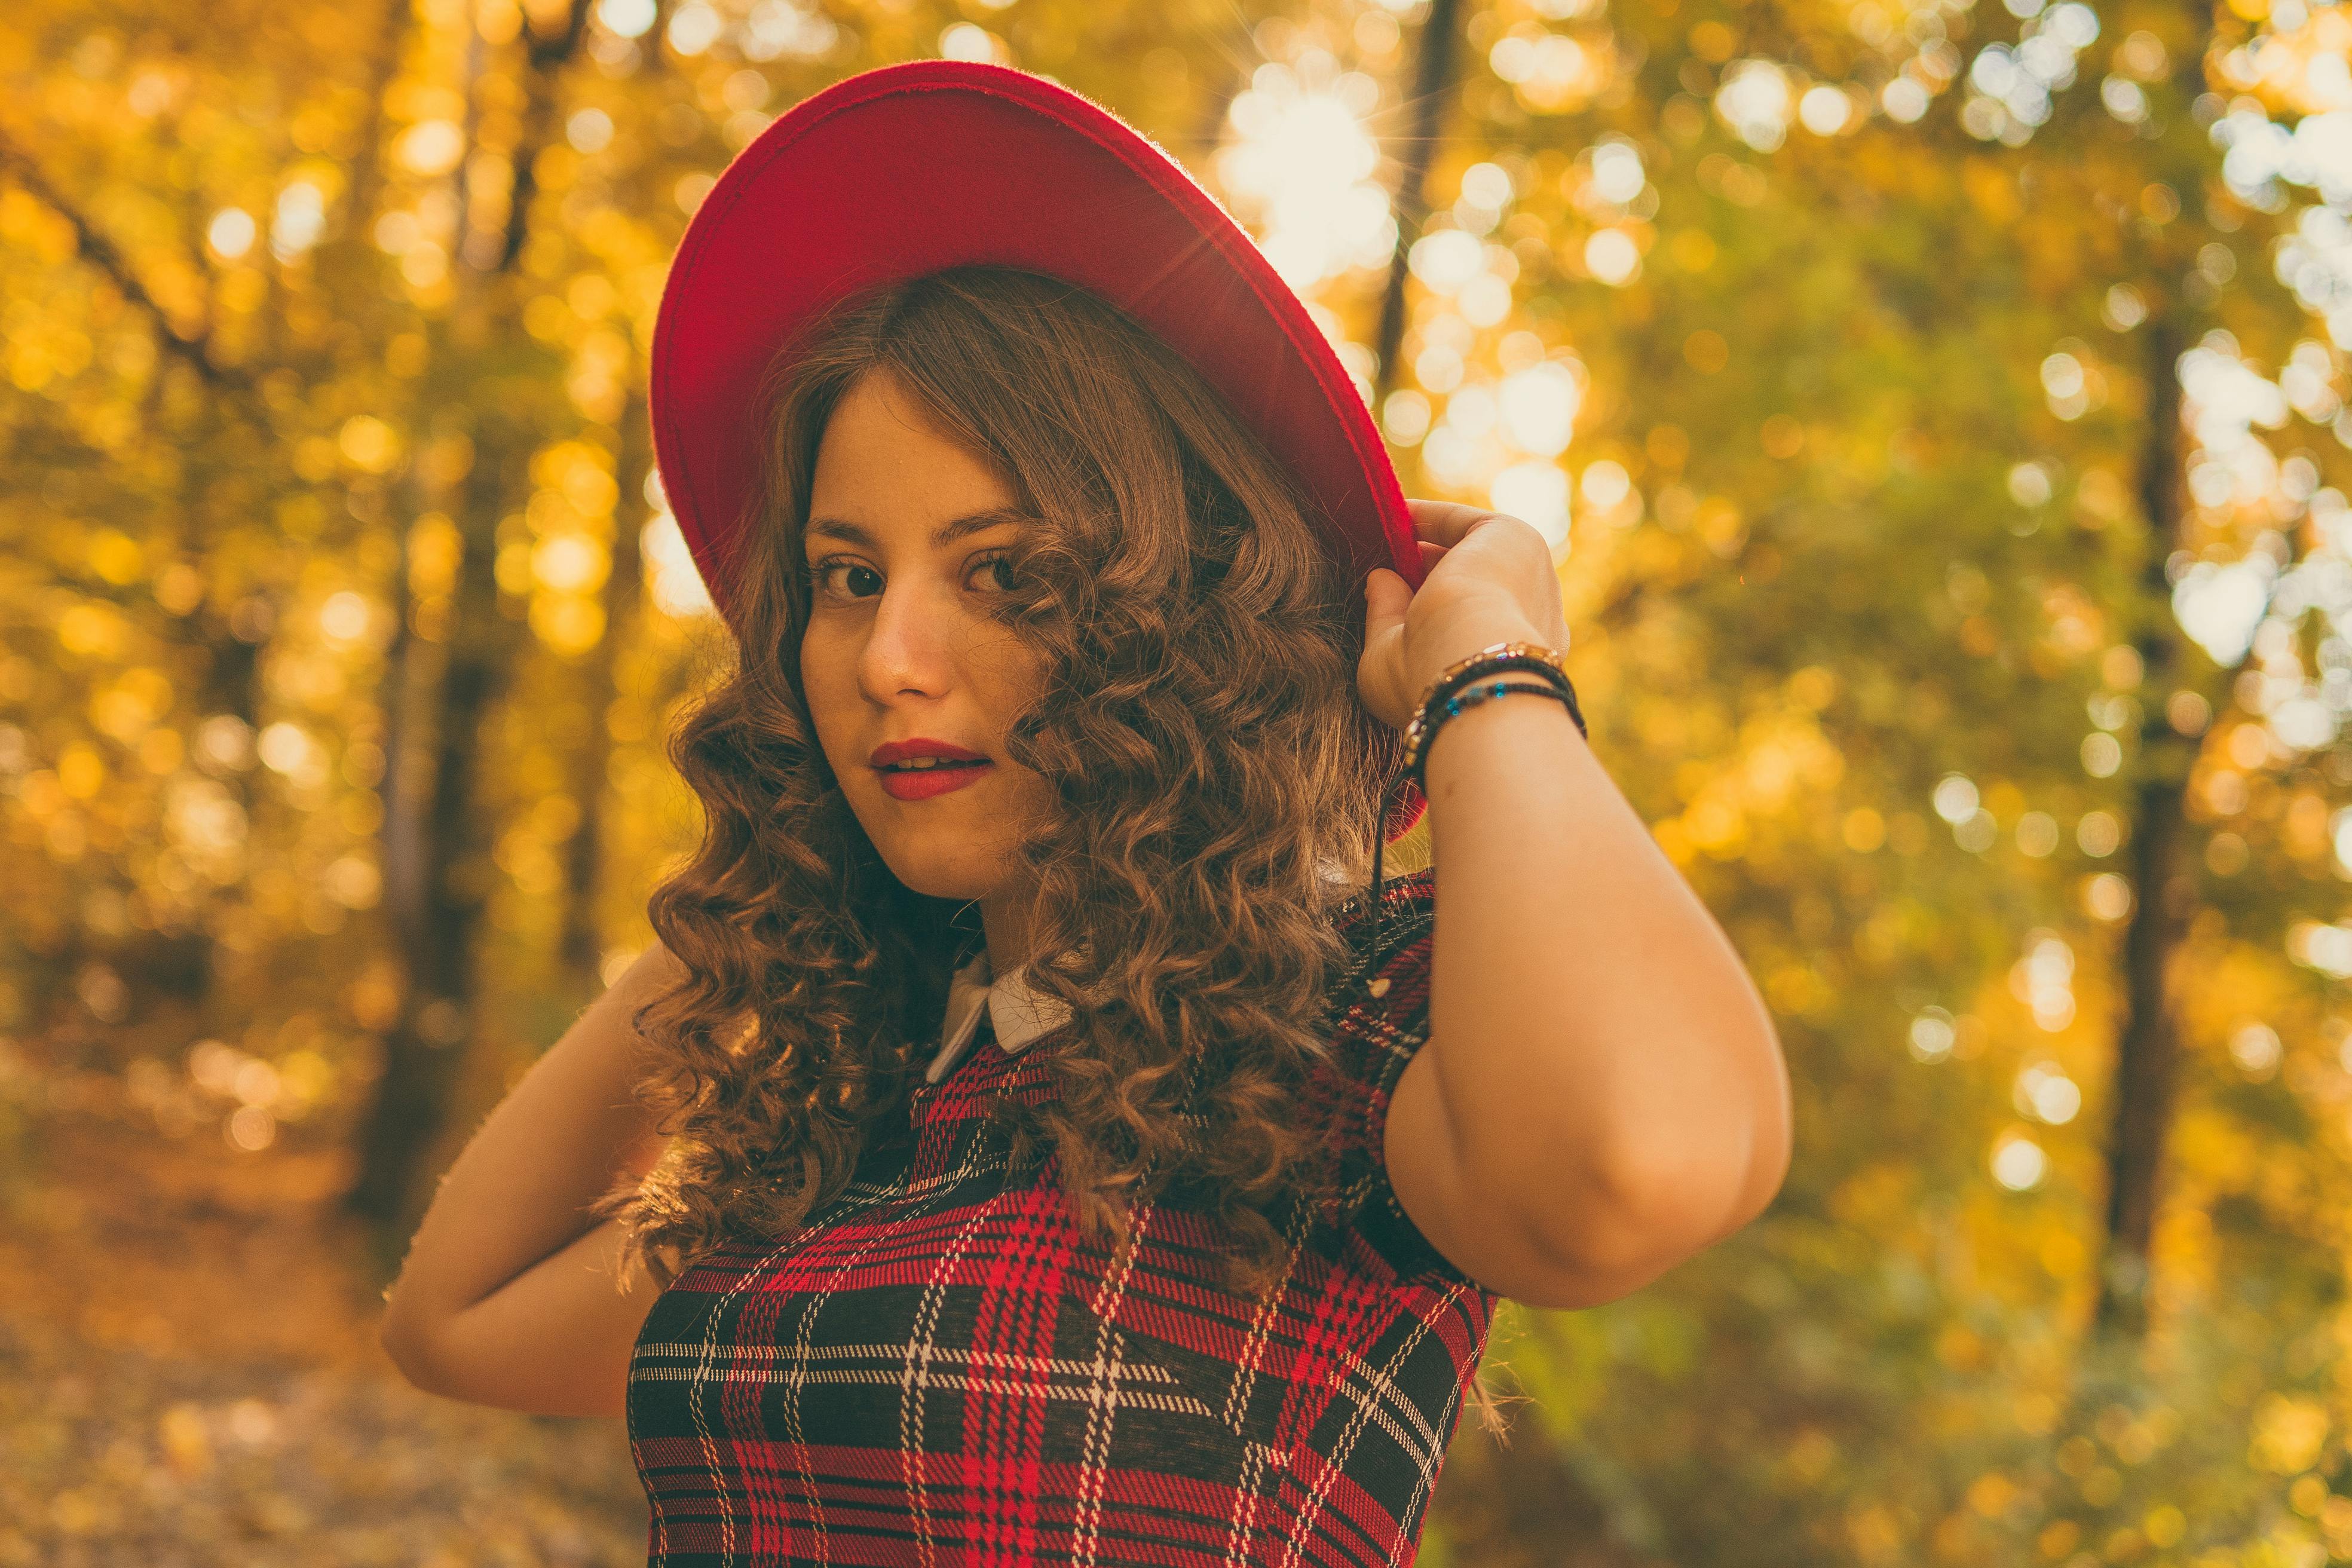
(189, 1373)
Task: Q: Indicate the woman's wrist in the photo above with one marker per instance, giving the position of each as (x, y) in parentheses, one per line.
(1483, 694)
(1520, 681)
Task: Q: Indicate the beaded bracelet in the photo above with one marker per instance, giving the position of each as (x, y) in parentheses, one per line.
(1432, 719)
(1519, 654)
(1511, 656)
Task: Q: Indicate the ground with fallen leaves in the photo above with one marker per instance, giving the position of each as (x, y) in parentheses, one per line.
(189, 1375)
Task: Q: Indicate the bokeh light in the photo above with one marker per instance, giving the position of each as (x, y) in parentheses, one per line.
(1300, 166)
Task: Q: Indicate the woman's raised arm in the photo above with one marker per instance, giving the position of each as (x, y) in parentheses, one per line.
(507, 1296)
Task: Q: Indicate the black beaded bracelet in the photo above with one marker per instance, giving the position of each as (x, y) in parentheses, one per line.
(1535, 661)
(1417, 733)
(1442, 708)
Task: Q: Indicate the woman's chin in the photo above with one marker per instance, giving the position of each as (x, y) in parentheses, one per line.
(935, 865)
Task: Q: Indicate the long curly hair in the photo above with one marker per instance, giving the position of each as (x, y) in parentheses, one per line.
(1214, 780)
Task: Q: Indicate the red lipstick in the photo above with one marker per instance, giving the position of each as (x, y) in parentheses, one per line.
(956, 766)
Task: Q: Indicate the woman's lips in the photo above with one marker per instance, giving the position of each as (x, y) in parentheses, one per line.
(921, 784)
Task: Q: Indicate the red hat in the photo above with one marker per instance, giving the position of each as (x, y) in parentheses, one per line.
(911, 168)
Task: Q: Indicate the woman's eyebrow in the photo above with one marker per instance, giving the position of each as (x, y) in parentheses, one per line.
(945, 534)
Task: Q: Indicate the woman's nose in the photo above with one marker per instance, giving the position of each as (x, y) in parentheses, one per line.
(905, 642)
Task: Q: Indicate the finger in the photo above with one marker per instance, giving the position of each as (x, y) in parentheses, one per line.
(1444, 522)
(1387, 596)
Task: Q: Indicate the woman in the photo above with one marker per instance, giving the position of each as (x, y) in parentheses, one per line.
(1040, 1153)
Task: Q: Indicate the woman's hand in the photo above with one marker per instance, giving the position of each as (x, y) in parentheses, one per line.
(1488, 578)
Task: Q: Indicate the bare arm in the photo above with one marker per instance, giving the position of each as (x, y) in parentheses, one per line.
(507, 1295)
(1603, 1092)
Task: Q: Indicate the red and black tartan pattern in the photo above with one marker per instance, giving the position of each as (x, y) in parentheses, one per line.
(937, 1370)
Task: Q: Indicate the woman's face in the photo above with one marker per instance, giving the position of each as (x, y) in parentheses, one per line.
(904, 547)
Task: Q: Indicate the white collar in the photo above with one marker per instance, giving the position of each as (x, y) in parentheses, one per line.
(1019, 1013)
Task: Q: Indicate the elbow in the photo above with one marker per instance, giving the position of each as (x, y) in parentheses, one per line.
(1657, 1195)
(1643, 1210)
(400, 1350)
(406, 1346)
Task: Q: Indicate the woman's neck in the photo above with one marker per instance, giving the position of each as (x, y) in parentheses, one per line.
(1005, 922)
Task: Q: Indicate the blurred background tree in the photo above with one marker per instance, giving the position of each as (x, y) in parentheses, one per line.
(1938, 411)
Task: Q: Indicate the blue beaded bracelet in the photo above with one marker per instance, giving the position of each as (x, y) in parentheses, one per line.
(1445, 708)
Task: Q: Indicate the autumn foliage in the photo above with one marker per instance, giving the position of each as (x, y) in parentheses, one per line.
(1938, 411)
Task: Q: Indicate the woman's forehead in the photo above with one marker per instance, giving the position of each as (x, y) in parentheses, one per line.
(883, 470)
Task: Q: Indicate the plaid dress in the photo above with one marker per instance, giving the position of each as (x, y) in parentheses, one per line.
(938, 1369)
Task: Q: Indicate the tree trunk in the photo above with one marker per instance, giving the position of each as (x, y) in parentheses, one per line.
(2165, 886)
(547, 58)
(582, 946)
(438, 871)
(437, 850)
(1433, 85)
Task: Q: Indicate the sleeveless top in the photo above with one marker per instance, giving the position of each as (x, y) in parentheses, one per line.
(937, 1368)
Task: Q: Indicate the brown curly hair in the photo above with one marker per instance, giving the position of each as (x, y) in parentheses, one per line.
(1198, 730)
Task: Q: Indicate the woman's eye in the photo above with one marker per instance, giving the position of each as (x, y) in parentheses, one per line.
(821, 575)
